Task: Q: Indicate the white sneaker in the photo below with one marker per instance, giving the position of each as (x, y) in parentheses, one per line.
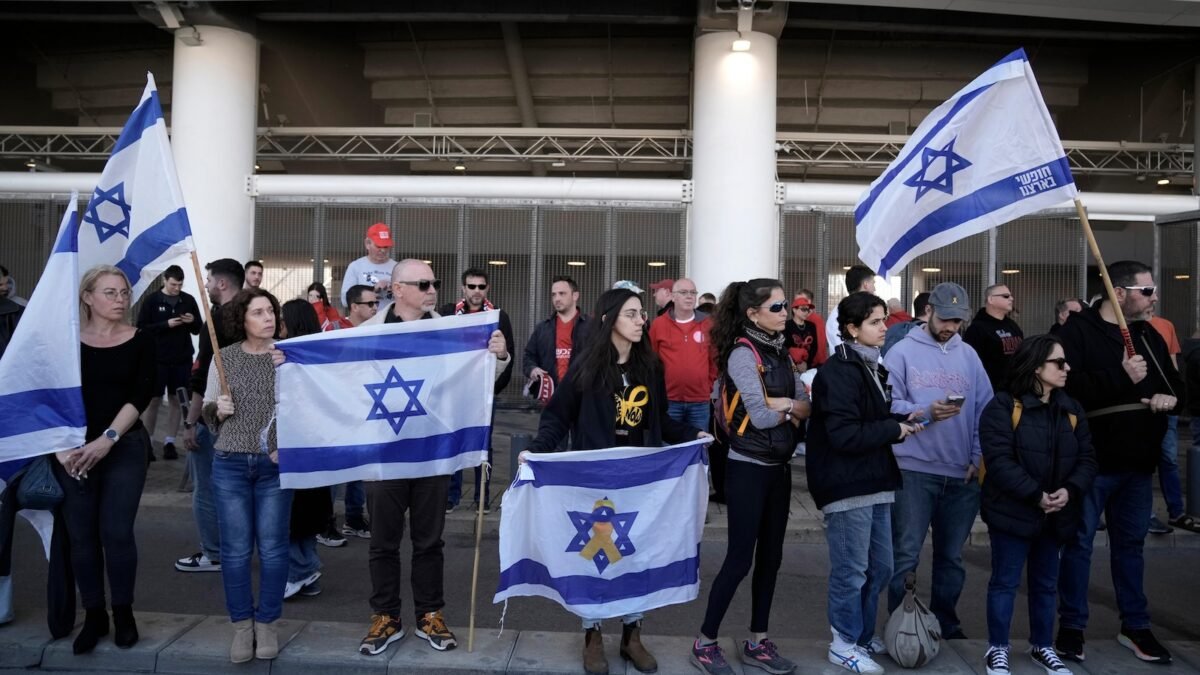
(996, 661)
(197, 562)
(852, 657)
(294, 587)
(876, 647)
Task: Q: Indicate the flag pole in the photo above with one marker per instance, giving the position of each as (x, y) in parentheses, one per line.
(1108, 287)
(483, 482)
(208, 321)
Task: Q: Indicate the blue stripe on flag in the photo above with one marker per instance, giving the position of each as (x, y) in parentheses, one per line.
(983, 201)
(153, 242)
(39, 409)
(144, 116)
(860, 213)
(1018, 55)
(583, 589)
(399, 451)
(68, 239)
(389, 347)
(626, 472)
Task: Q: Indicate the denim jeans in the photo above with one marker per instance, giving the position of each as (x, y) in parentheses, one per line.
(303, 559)
(1125, 500)
(1010, 555)
(252, 510)
(693, 414)
(860, 567)
(204, 509)
(356, 498)
(949, 505)
(1168, 469)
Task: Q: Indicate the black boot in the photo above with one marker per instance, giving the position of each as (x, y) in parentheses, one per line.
(95, 626)
(125, 632)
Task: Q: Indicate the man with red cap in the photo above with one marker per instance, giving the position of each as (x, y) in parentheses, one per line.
(663, 290)
(375, 268)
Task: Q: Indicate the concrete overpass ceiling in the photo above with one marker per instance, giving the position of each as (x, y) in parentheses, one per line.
(1175, 13)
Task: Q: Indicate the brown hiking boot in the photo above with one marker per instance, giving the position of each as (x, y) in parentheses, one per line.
(594, 661)
(633, 650)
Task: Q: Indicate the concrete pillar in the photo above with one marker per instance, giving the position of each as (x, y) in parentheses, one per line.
(214, 98)
(734, 229)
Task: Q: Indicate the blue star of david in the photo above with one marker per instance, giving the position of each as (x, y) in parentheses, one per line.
(621, 524)
(943, 183)
(116, 197)
(379, 411)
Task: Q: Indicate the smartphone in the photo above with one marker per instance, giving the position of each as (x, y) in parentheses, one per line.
(955, 400)
(923, 420)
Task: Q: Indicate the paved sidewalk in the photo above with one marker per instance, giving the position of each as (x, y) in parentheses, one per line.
(183, 643)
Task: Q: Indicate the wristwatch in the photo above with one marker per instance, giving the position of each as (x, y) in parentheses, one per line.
(187, 425)
(112, 435)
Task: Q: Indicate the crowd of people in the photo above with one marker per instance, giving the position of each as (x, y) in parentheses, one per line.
(912, 426)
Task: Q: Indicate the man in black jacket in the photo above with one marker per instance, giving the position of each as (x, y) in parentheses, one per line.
(556, 342)
(993, 335)
(1127, 400)
(10, 315)
(172, 317)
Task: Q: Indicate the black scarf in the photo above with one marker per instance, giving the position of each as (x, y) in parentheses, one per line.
(760, 337)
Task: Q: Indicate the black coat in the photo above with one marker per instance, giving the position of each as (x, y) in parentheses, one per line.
(850, 432)
(1041, 455)
(590, 417)
(995, 340)
(505, 330)
(172, 345)
(1130, 440)
(540, 351)
(311, 510)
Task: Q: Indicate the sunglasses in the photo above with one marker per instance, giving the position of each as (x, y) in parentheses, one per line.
(373, 303)
(777, 307)
(1060, 362)
(805, 308)
(474, 287)
(1147, 291)
(1006, 296)
(424, 284)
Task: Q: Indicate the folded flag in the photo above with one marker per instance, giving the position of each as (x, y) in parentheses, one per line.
(41, 396)
(136, 219)
(988, 155)
(606, 533)
(398, 400)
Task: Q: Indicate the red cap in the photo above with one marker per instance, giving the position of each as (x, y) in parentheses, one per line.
(668, 284)
(380, 235)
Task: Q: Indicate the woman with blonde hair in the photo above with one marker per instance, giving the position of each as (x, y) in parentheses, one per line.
(103, 480)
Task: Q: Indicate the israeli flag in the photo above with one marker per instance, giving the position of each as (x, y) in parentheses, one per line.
(606, 533)
(399, 400)
(136, 219)
(988, 155)
(41, 398)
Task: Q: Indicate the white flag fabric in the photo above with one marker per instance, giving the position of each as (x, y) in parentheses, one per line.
(606, 533)
(398, 400)
(41, 397)
(988, 155)
(136, 219)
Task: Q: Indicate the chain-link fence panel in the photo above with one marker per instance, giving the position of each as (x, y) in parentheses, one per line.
(287, 243)
(1040, 259)
(649, 246)
(964, 262)
(801, 260)
(27, 229)
(1177, 276)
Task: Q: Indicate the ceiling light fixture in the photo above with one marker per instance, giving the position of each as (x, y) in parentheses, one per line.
(745, 22)
(427, 262)
(1010, 271)
(1182, 277)
(558, 164)
(656, 263)
(931, 269)
(576, 263)
(498, 263)
(1164, 181)
(459, 166)
(741, 44)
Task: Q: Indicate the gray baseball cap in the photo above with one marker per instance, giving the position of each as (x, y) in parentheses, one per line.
(949, 301)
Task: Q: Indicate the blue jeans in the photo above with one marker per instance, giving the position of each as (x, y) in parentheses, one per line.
(694, 414)
(1168, 469)
(949, 505)
(356, 499)
(1125, 500)
(252, 510)
(1010, 555)
(204, 510)
(303, 559)
(860, 567)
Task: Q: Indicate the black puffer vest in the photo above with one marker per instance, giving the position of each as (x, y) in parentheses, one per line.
(774, 445)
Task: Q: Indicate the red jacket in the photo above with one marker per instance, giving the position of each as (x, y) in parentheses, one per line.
(688, 365)
(822, 344)
(897, 317)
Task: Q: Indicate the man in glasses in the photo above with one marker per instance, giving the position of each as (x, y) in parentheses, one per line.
(1128, 400)
(375, 268)
(938, 378)
(994, 335)
(363, 304)
(681, 341)
(475, 287)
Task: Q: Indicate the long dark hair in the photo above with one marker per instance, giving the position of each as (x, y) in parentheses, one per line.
(235, 312)
(1022, 369)
(301, 318)
(856, 308)
(320, 289)
(730, 313)
(597, 365)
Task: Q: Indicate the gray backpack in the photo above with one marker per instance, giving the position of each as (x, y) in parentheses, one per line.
(912, 635)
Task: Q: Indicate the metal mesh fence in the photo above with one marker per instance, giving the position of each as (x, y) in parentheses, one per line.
(1041, 259)
(27, 229)
(1176, 276)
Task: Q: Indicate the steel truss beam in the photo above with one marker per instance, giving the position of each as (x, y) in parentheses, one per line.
(843, 152)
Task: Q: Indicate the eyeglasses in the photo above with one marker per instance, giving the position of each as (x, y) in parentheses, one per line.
(113, 294)
(424, 284)
(777, 307)
(686, 292)
(475, 287)
(1147, 291)
(1006, 296)
(805, 308)
(372, 303)
(1060, 362)
(633, 314)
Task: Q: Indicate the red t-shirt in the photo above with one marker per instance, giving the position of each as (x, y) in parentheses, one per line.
(562, 345)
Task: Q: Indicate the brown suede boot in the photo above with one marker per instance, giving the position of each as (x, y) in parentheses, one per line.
(634, 651)
(594, 661)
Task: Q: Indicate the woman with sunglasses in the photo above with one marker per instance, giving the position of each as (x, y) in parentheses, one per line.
(613, 395)
(762, 404)
(802, 333)
(102, 481)
(326, 313)
(1040, 464)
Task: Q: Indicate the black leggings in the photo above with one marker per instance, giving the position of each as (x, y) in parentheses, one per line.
(757, 501)
(99, 512)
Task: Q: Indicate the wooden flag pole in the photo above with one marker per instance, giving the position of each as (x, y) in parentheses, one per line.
(1108, 287)
(212, 331)
(483, 482)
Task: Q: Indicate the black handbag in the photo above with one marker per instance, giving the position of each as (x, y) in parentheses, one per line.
(39, 489)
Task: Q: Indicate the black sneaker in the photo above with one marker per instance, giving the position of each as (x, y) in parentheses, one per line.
(169, 451)
(1048, 661)
(487, 507)
(197, 562)
(955, 634)
(996, 661)
(1159, 527)
(384, 631)
(357, 527)
(450, 507)
(1144, 645)
(331, 538)
(432, 628)
(1069, 644)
